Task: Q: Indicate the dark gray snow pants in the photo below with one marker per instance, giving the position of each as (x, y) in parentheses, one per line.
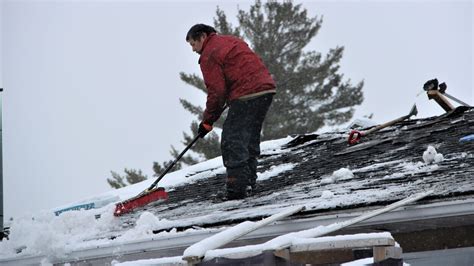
(240, 141)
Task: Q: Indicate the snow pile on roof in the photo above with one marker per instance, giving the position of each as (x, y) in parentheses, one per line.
(274, 144)
(171, 180)
(54, 235)
(411, 168)
(327, 194)
(430, 155)
(341, 174)
(274, 171)
(58, 236)
(145, 226)
(361, 123)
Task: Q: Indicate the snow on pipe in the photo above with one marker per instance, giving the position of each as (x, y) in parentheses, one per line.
(197, 251)
(286, 240)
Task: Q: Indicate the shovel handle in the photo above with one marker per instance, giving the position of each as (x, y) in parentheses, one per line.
(153, 185)
(354, 137)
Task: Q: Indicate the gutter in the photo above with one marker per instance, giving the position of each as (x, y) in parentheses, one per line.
(179, 242)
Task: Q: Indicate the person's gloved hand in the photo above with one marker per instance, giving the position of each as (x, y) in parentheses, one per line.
(203, 129)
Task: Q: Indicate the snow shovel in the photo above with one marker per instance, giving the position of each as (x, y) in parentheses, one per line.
(438, 93)
(152, 193)
(355, 135)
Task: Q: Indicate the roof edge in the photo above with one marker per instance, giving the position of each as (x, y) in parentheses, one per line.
(427, 211)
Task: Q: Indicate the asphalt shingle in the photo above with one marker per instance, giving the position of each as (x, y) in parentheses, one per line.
(387, 166)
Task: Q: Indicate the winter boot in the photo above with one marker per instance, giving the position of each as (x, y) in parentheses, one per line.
(220, 194)
(252, 167)
(236, 188)
(253, 182)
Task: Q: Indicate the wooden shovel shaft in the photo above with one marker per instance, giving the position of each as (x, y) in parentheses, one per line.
(413, 111)
(379, 127)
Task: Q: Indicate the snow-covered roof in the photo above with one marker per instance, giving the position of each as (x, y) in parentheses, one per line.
(322, 172)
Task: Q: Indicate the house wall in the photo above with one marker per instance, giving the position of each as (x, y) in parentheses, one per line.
(447, 257)
(436, 239)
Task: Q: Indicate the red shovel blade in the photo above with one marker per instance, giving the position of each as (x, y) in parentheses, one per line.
(140, 201)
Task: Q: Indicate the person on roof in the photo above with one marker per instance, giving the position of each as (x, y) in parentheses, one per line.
(235, 77)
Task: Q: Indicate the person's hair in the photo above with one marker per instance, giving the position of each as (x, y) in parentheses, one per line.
(198, 30)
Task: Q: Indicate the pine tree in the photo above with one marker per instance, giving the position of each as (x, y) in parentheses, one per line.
(311, 92)
(131, 176)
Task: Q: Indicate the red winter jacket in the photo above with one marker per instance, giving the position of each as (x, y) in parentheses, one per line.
(230, 70)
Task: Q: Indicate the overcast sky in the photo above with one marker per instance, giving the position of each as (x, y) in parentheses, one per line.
(93, 86)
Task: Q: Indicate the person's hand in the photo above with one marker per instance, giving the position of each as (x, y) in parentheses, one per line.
(203, 129)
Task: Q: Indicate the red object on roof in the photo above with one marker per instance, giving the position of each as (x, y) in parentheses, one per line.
(140, 201)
